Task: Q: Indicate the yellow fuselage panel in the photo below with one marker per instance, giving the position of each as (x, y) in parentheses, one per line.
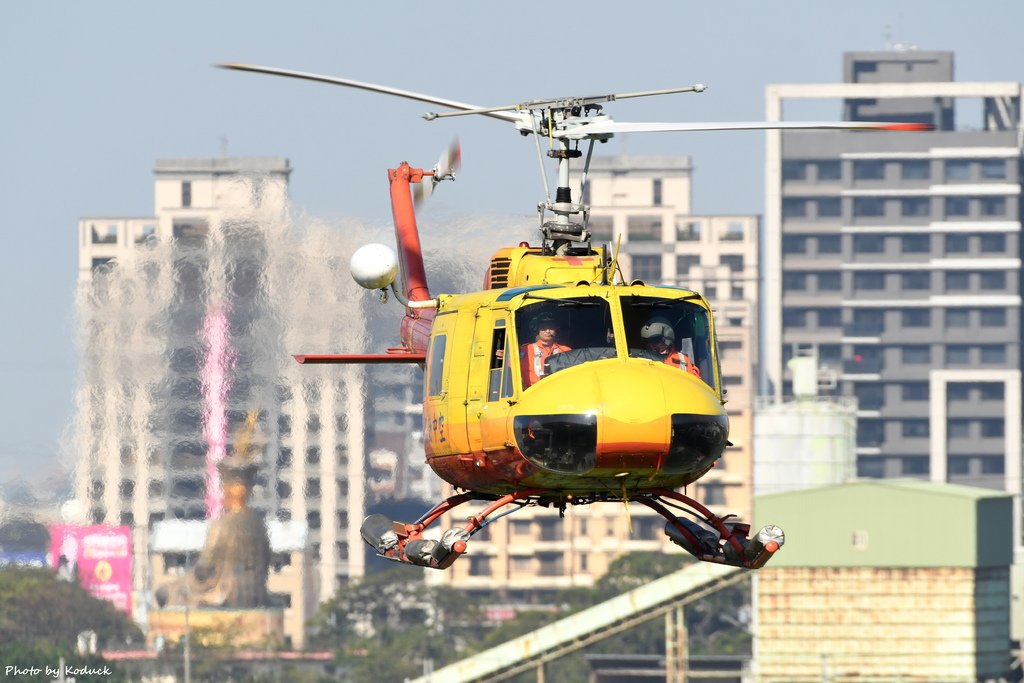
(470, 426)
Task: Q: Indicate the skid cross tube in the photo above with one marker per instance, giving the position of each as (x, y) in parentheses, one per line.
(453, 542)
(695, 544)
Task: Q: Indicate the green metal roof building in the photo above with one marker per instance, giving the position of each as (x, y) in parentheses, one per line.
(886, 579)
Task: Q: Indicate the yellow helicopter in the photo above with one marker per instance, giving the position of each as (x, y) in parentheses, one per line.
(559, 383)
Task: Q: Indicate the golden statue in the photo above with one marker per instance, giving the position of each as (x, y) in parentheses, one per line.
(232, 567)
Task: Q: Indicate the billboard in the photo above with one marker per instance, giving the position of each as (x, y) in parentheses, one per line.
(99, 557)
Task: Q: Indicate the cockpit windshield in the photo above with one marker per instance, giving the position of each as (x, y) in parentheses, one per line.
(673, 331)
(555, 334)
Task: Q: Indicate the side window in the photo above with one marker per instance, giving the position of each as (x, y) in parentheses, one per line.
(499, 364)
(436, 366)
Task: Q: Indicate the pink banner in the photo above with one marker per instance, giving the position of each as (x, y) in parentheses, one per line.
(99, 557)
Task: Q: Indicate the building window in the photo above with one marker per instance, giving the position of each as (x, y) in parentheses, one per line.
(993, 464)
(959, 429)
(868, 169)
(993, 354)
(829, 244)
(992, 427)
(993, 169)
(917, 279)
(915, 464)
(733, 232)
(600, 228)
(869, 280)
(186, 193)
(868, 244)
(868, 206)
(829, 317)
(958, 317)
(958, 392)
(958, 464)
(916, 354)
(993, 244)
(868, 322)
(958, 169)
(993, 206)
(829, 282)
(829, 170)
(916, 317)
(829, 207)
(794, 244)
(991, 391)
(647, 268)
(688, 231)
(479, 565)
(656, 192)
(108, 237)
(993, 279)
(957, 206)
(794, 317)
(915, 169)
(915, 391)
(958, 354)
(870, 467)
(957, 280)
(684, 262)
(993, 317)
(957, 244)
(915, 206)
(794, 207)
(644, 228)
(870, 433)
(794, 281)
(915, 428)
(734, 261)
(869, 396)
(794, 170)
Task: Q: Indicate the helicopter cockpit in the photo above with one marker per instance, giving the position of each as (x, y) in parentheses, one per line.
(555, 334)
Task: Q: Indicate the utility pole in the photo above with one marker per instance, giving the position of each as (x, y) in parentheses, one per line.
(675, 646)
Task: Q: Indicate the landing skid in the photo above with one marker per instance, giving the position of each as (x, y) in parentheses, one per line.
(709, 539)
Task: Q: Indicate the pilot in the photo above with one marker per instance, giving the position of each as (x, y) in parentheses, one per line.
(533, 357)
(660, 339)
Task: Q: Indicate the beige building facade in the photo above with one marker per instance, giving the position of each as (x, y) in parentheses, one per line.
(153, 403)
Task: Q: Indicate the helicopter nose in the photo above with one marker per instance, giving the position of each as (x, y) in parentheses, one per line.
(606, 418)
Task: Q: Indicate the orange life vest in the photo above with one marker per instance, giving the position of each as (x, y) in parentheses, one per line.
(532, 358)
(682, 361)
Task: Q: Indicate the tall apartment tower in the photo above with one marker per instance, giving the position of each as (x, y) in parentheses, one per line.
(646, 201)
(895, 259)
(187, 320)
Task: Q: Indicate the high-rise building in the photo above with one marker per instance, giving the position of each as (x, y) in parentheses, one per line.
(187, 320)
(645, 201)
(895, 258)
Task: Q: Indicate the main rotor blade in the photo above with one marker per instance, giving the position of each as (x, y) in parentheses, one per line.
(408, 94)
(606, 128)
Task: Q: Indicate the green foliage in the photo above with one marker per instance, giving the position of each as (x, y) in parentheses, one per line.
(39, 611)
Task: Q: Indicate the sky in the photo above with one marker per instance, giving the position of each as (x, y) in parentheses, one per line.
(94, 93)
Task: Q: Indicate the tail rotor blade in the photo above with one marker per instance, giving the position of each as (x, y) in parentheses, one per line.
(445, 169)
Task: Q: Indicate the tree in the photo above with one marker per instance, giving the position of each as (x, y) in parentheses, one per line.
(386, 625)
(37, 610)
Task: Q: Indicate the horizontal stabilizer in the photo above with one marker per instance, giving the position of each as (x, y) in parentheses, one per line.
(350, 358)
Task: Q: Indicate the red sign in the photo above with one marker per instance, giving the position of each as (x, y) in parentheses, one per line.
(99, 556)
